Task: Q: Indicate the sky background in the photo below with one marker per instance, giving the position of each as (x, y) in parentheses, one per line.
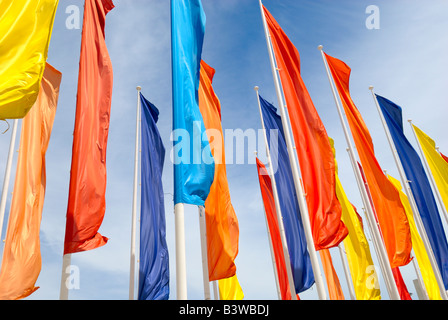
(404, 60)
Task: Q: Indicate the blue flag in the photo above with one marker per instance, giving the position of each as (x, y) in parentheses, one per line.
(302, 271)
(421, 189)
(193, 162)
(154, 262)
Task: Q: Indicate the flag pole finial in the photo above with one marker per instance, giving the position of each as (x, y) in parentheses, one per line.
(139, 88)
(320, 47)
(256, 88)
(370, 88)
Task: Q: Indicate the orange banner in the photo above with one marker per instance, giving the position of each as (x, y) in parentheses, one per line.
(389, 210)
(333, 284)
(312, 145)
(220, 217)
(22, 261)
(86, 200)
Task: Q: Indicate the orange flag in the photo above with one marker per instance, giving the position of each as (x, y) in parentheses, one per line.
(274, 231)
(86, 200)
(312, 144)
(22, 262)
(333, 284)
(220, 217)
(389, 210)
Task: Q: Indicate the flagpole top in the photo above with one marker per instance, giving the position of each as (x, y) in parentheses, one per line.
(139, 88)
(410, 120)
(256, 88)
(320, 47)
(371, 88)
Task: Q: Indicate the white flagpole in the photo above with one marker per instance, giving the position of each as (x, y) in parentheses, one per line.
(346, 271)
(203, 234)
(410, 195)
(66, 261)
(295, 170)
(215, 289)
(277, 208)
(429, 174)
(134, 201)
(382, 253)
(8, 174)
(181, 269)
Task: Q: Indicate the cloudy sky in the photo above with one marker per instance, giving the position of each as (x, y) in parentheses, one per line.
(403, 59)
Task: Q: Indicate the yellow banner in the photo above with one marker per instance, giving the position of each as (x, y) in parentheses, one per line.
(25, 32)
(230, 289)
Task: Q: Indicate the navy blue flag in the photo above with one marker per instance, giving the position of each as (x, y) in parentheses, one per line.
(154, 262)
(302, 271)
(419, 183)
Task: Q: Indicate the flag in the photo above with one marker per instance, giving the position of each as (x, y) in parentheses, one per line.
(25, 29)
(356, 246)
(274, 230)
(444, 157)
(21, 263)
(419, 183)
(221, 221)
(302, 271)
(193, 162)
(86, 199)
(421, 255)
(436, 163)
(313, 148)
(386, 200)
(230, 289)
(401, 286)
(154, 259)
(333, 284)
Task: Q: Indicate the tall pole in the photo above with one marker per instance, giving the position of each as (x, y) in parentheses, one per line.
(203, 234)
(346, 271)
(66, 262)
(278, 208)
(295, 170)
(382, 253)
(8, 174)
(429, 173)
(410, 195)
(181, 268)
(134, 201)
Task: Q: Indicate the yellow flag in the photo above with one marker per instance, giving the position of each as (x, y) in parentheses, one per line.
(358, 252)
(25, 32)
(437, 165)
(230, 289)
(428, 276)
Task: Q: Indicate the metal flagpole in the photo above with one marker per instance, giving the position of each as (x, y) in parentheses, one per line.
(215, 289)
(295, 170)
(429, 174)
(8, 174)
(181, 269)
(382, 253)
(66, 261)
(278, 208)
(346, 271)
(203, 234)
(412, 202)
(134, 201)
(274, 266)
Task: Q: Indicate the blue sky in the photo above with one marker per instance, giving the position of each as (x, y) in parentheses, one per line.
(404, 60)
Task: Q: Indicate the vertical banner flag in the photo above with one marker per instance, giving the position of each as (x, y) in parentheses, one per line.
(193, 162)
(230, 289)
(333, 284)
(154, 259)
(437, 164)
(418, 246)
(401, 286)
(21, 263)
(356, 246)
(274, 230)
(25, 29)
(386, 200)
(221, 221)
(313, 148)
(302, 271)
(419, 183)
(86, 199)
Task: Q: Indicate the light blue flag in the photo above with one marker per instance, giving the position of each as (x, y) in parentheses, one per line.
(193, 162)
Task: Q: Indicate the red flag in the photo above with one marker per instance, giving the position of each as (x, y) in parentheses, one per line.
(86, 200)
(444, 156)
(385, 197)
(401, 286)
(312, 144)
(274, 231)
